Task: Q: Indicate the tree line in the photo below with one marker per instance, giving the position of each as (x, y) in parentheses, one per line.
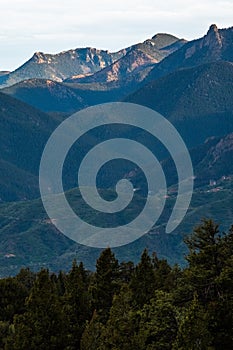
(121, 306)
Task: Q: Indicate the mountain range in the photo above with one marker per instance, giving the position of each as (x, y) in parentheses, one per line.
(141, 57)
(87, 61)
(189, 83)
(63, 65)
(216, 45)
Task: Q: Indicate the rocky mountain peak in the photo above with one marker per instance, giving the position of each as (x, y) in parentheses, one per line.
(212, 28)
(161, 40)
(213, 37)
(39, 57)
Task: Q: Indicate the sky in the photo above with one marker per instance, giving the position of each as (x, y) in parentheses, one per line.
(52, 26)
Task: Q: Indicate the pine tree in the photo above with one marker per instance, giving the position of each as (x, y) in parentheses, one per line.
(91, 336)
(205, 260)
(209, 274)
(126, 270)
(193, 332)
(106, 283)
(121, 327)
(143, 283)
(76, 304)
(42, 326)
(158, 325)
(12, 298)
(26, 277)
(163, 273)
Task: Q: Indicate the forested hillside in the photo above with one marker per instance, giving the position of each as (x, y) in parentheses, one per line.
(121, 306)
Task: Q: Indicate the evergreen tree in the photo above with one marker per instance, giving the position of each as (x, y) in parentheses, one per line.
(143, 281)
(163, 273)
(42, 326)
(158, 325)
(209, 274)
(193, 332)
(12, 298)
(76, 304)
(91, 336)
(126, 270)
(106, 283)
(122, 325)
(61, 283)
(27, 278)
(205, 260)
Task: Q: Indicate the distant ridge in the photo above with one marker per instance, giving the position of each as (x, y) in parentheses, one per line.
(142, 56)
(62, 65)
(216, 45)
(82, 62)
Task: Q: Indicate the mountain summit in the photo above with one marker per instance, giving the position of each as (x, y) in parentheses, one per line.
(63, 65)
(216, 45)
(137, 62)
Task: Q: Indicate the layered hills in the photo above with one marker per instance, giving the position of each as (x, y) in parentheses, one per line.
(190, 83)
(28, 237)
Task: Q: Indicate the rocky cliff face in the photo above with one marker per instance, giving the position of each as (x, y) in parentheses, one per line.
(133, 62)
(63, 65)
(216, 45)
(139, 60)
(84, 62)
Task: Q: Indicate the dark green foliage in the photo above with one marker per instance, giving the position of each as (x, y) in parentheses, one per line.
(4, 331)
(91, 335)
(122, 325)
(77, 306)
(106, 283)
(205, 260)
(208, 275)
(12, 297)
(193, 333)
(122, 307)
(42, 326)
(126, 270)
(158, 325)
(163, 273)
(27, 278)
(143, 283)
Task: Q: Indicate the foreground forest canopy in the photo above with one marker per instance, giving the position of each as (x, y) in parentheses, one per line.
(121, 306)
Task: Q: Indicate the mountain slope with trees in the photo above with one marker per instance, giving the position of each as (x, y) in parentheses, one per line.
(198, 101)
(122, 306)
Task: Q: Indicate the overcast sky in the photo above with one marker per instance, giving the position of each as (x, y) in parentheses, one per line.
(52, 26)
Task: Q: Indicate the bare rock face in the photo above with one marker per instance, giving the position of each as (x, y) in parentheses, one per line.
(63, 65)
(213, 38)
(82, 62)
(212, 42)
(138, 60)
(216, 45)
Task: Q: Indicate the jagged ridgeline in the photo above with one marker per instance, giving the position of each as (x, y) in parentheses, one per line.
(189, 83)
